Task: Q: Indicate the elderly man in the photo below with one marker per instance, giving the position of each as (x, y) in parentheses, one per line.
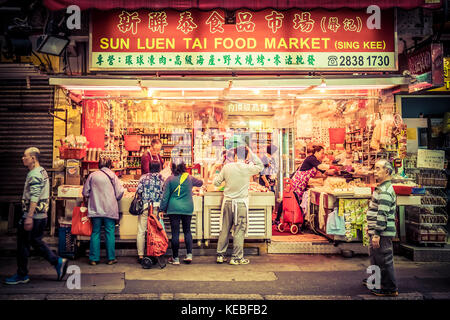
(35, 201)
(381, 228)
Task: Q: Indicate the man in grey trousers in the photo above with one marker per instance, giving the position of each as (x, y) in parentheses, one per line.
(235, 204)
(381, 228)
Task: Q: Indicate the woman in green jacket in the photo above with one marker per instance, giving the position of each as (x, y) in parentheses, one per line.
(178, 204)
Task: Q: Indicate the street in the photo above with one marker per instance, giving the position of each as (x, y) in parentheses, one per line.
(267, 277)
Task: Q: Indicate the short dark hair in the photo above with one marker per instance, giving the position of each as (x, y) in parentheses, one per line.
(178, 169)
(105, 162)
(155, 141)
(241, 152)
(316, 149)
(155, 167)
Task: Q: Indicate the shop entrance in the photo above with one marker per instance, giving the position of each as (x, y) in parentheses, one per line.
(198, 121)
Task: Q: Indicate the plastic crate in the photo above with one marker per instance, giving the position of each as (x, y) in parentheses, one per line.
(67, 242)
(402, 190)
(71, 153)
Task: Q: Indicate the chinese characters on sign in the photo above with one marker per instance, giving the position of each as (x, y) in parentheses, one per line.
(267, 39)
(432, 159)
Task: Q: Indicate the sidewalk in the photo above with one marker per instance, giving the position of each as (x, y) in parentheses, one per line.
(269, 277)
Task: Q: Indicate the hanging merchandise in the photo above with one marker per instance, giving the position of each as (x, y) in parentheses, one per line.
(354, 211)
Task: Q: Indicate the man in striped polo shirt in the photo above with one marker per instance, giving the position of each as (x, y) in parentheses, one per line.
(381, 228)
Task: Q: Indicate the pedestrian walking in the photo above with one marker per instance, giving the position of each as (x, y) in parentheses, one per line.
(35, 203)
(235, 203)
(150, 190)
(178, 204)
(381, 229)
(103, 189)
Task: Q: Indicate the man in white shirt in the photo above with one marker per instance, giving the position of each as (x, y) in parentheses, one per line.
(235, 204)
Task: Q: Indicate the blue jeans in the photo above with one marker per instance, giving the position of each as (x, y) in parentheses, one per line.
(94, 249)
(33, 238)
(175, 229)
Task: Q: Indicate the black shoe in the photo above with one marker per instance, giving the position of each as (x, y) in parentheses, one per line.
(161, 262)
(384, 293)
(146, 263)
(139, 260)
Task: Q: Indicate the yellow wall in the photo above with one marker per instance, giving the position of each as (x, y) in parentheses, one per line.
(73, 121)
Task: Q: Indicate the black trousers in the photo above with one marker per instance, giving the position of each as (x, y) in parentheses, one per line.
(383, 257)
(33, 238)
(175, 229)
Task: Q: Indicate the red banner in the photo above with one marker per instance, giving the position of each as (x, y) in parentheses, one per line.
(94, 123)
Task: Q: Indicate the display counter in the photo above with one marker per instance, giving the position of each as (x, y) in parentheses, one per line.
(352, 207)
(331, 201)
(261, 206)
(128, 222)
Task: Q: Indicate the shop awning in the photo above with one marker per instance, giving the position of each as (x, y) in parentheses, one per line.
(211, 83)
(237, 4)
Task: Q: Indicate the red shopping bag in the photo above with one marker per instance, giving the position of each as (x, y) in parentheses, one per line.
(81, 224)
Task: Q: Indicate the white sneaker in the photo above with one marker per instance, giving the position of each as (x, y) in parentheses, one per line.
(221, 259)
(236, 262)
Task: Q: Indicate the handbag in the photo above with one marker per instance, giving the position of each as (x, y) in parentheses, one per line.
(81, 223)
(136, 206)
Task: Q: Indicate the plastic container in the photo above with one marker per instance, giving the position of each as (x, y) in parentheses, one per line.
(71, 153)
(402, 190)
(67, 246)
(418, 191)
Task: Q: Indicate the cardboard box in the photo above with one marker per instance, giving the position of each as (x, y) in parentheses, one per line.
(128, 226)
(73, 179)
(70, 191)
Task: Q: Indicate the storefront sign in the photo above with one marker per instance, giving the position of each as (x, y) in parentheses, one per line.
(264, 40)
(446, 67)
(247, 107)
(426, 65)
(433, 159)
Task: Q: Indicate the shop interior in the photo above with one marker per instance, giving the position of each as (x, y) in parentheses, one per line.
(355, 119)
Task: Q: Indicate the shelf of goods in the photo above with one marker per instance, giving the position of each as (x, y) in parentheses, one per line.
(261, 205)
(426, 222)
(128, 223)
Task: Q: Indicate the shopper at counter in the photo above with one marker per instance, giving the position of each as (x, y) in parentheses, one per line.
(381, 228)
(35, 202)
(152, 156)
(103, 189)
(177, 202)
(150, 189)
(235, 202)
(268, 176)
